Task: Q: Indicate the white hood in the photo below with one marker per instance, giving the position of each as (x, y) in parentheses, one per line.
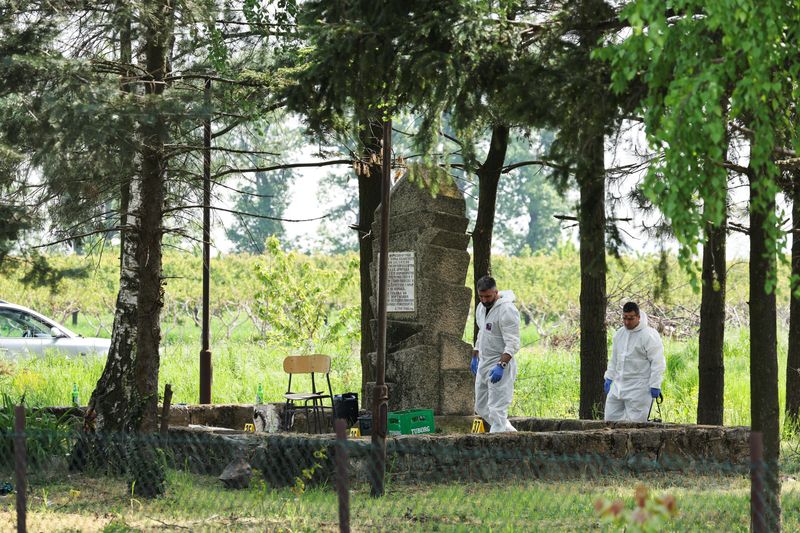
(644, 323)
(506, 297)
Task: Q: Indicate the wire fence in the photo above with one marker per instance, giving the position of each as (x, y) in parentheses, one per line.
(192, 480)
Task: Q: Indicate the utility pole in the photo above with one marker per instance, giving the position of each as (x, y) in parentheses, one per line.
(205, 352)
(380, 395)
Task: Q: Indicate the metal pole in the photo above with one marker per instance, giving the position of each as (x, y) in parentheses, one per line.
(341, 476)
(20, 467)
(205, 352)
(758, 522)
(380, 395)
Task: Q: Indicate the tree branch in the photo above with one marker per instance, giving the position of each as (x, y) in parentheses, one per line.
(243, 213)
(186, 148)
(244, 83)
(540, 162)
(87, 234)
(282, 167)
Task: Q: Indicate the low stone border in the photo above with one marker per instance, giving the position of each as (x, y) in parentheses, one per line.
(283, 458)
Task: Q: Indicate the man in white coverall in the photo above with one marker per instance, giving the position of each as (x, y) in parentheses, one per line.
(493, 362)
(634, 374)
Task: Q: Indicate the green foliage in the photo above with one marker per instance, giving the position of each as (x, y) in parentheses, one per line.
(710, 63)
(118, 526)
(297, 299)
(50, 438)
(266, 198)
(307, 474)
(377, 60)
(70, 115)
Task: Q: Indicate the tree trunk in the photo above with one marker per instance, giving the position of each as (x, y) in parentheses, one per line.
(793, 355)
(488, 180)
(112, 394)
(710, 401)
(764, 410)
(146, 470)
(590, 176)
(369, 198)
(149, 234)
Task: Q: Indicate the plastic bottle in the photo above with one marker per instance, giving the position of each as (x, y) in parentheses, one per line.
(75, 400)
(259, 395)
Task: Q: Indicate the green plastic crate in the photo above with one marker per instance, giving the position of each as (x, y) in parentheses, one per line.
(410, 422)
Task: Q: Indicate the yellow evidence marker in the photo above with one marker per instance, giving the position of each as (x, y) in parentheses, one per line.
(477, 426)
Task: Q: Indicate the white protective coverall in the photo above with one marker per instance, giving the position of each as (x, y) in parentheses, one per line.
(498, 333)
(637, 364)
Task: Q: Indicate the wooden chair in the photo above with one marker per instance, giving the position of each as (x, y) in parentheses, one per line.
(310, 402)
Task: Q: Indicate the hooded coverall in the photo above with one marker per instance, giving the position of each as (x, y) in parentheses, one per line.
(637, 365)
(498, 333)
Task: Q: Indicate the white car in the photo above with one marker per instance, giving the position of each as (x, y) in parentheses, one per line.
(26, 332)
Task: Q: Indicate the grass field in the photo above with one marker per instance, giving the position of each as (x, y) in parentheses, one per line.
(547, 386)
(197, 503)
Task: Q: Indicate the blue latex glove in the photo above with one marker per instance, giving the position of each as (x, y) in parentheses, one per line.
(474, 365)
(607, 386)
(497, 374)
(655, 393)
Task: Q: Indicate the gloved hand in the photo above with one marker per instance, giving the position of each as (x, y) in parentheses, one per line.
(474, 365)
(655, 393)
(607, 385)
(497, 374)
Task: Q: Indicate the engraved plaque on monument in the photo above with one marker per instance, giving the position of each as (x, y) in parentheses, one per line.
(401, 283)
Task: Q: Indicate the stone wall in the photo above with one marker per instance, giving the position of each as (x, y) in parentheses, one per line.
(477, 457)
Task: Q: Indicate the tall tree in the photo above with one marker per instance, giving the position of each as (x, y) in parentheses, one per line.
(711, 338)
(793, 350)
(688, 76)
(369, 198)
(264, 194)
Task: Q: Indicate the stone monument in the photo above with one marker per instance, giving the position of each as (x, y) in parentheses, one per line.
(427, 362)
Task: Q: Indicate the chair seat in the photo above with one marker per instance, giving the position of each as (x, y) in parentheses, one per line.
(299, 396)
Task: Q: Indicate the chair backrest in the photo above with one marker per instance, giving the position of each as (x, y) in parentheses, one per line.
(307, 364)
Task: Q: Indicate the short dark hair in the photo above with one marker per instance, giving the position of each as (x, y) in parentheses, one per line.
(630, 307)
(486, 283)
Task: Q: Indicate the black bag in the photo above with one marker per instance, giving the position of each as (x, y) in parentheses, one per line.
(345, 406)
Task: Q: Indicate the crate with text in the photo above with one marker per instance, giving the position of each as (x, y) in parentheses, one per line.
(410, 422)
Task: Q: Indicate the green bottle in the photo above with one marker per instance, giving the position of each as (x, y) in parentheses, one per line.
(259, 395)
(75, 401)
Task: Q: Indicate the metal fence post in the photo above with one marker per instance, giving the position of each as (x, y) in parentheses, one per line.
(20, 467)
(341, 476)
(758, 522)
